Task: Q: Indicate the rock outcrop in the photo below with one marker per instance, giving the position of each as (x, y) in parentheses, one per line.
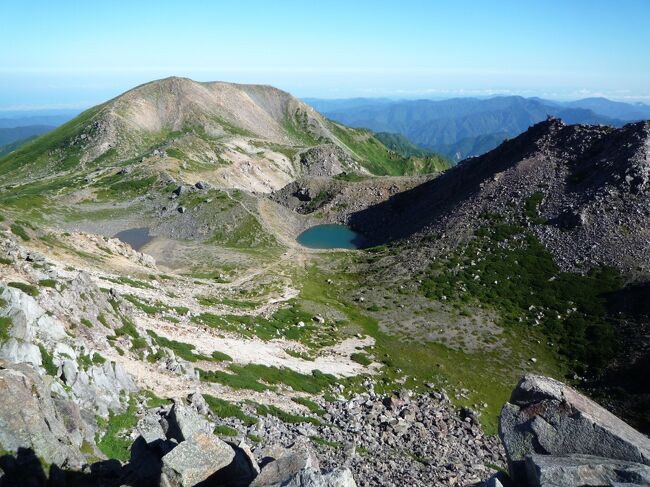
(554, 435)
(325, 160)
(31, 418)
(583, 470)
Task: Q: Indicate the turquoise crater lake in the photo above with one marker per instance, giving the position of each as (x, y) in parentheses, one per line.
(330, 236)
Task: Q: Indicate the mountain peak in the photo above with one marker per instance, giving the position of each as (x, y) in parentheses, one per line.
(250, 137)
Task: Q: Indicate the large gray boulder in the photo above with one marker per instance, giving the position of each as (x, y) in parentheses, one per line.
(309, 477)
(28, 322)
(184, 422)
(286, 466)
(150, 428)
(195, 460)
(583, 470)
(547, 417)
(31, 419)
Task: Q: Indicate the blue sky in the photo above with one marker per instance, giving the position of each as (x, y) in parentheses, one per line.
(68, 53)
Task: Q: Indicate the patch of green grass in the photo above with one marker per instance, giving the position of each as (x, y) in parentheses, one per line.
(361, 358)
(19, 231)
(259, 377)
(182, 350)
(130, 282)
(48, 362)
(317, 440)
(234, 303)
(297, 126)
(101, 317)
(86, 322)
(155, 308)
(147, 308)
(127, 328)
(26, 288)
(138, 343)
(531, 207)
(322, 198)
(87, 361)
(117, 186)
(5, 325)
(218, 356)
(379, 160)
(49, 152)
(154, 401)
(300, 355)
(284, 416)
(309, 404)
(116, 442)
(225, 430)
(51, 283)
(247, 233)
(520, 280)
(226, 409)
(6, 261)
(283, 323)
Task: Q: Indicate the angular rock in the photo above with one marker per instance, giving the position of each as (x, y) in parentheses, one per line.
(150, 429)
(241, 471)
(28, 321)
(180, 190)
(30, 419)
(547, 417)
(310, 477)
(17, 351)
(195, 460)
(197, 401)
(286, 466)
(583, 470)
(184, 422)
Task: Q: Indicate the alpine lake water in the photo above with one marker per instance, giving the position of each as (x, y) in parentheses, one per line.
(135, 237)
(330, 236)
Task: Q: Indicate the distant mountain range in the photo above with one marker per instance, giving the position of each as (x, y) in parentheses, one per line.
(463, 127)
(19, 127)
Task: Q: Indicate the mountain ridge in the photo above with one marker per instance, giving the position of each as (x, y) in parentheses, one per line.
(454, 127)
(214, 130)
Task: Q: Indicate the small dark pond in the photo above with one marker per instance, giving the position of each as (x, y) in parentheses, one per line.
(135, 237)
(330, 236)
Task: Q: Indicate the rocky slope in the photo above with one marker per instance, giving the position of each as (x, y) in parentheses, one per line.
(214, 340)
(582, 188)
(82, 366)
(551, 223)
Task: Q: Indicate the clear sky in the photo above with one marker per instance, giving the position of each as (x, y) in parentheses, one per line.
(67, 53)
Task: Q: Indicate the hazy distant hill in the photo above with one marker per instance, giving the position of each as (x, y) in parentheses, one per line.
(12, 138)
(629, 112)
(461, 127)
(9, 135)
(23, 118)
